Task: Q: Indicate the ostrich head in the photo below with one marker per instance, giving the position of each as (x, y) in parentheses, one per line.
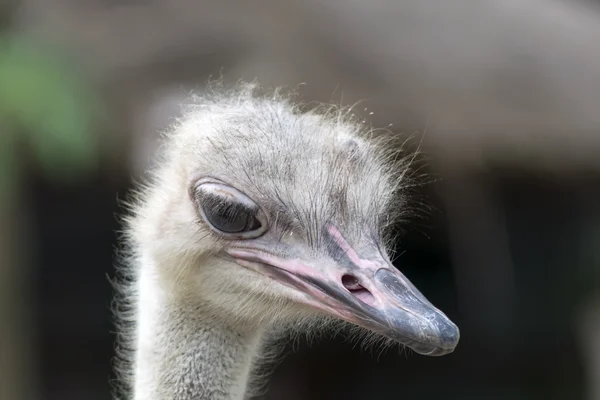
(262, 213)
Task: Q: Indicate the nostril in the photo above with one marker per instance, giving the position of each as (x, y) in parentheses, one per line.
(351, 283)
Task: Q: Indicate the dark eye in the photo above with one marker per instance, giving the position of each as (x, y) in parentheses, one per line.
(232, 217)
(228, 211)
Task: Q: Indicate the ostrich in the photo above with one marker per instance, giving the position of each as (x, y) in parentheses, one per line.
(261, 218)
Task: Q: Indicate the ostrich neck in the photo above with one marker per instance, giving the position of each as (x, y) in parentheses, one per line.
(184, 354)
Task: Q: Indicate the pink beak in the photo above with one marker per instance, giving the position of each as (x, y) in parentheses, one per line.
(367, 292)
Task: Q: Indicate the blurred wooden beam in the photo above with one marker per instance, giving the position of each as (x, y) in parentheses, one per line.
(18, 355)
(589, 335)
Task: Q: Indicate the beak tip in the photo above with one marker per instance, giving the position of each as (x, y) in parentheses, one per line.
(449, 335)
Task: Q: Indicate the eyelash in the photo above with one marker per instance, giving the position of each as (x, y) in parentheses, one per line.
(224, 206)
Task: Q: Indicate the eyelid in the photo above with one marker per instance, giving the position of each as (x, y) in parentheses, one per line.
(226, 191)
(218, 200)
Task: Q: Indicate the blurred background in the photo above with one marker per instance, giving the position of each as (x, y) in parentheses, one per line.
(505, 95)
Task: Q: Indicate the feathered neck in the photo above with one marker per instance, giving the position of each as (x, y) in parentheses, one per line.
(181, 353)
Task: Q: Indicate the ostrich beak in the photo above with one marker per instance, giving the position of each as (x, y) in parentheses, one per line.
(367, 292)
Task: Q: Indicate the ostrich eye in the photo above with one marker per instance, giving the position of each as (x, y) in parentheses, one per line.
(228, 211)
(231, 217)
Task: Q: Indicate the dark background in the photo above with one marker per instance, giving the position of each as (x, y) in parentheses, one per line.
(505, 96)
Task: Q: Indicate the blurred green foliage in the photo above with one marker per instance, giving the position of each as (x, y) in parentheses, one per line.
(46, 108)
